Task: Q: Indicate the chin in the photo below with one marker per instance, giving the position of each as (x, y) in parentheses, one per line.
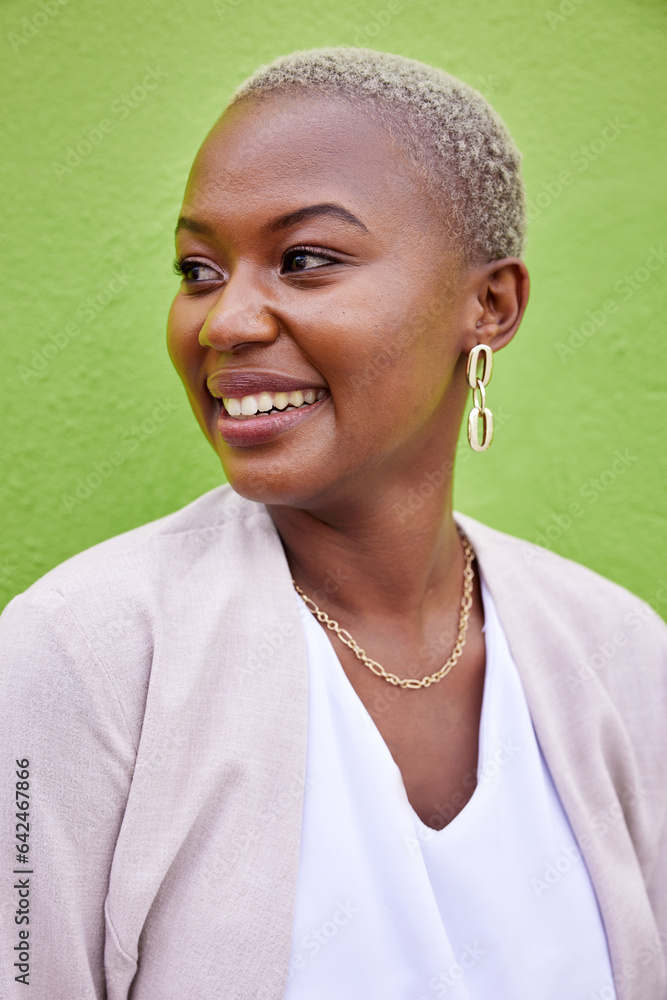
(279, 487)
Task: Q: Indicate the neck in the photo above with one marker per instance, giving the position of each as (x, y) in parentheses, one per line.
(393, 550)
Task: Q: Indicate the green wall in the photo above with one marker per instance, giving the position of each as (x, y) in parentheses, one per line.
(86, 246)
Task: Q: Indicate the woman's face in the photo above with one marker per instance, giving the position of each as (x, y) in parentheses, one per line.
(315, 265)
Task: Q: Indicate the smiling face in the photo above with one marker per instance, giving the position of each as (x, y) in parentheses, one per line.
(321, 293)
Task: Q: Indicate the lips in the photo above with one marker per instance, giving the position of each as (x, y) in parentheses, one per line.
(265, 427)
(246, 418)
(237, 384)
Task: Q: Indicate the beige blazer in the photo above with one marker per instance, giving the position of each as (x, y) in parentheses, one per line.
(157, 684)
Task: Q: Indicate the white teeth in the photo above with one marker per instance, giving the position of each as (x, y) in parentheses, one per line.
(248, 406)
(264, 402)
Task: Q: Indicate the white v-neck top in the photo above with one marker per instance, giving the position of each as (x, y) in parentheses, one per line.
(497, 905)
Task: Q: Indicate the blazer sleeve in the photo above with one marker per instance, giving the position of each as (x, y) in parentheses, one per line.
(61, 722)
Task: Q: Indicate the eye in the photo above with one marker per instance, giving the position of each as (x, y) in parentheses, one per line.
(303, 259)
(194, 271)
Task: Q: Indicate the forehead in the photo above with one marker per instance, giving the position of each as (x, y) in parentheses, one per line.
(285, 150)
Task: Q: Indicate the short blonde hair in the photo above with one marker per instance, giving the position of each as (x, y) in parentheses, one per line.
(455, 137)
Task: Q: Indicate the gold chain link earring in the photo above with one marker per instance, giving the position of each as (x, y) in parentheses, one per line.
(479, 408)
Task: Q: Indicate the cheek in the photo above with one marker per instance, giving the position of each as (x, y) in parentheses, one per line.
(185, 351)
(189, 358)
(392, 356)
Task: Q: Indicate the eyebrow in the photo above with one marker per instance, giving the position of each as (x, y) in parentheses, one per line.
(283, 221)
(314, 212)
(184, 222)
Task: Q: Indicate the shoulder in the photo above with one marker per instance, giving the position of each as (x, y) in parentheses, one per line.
(589, 652)
(592, 605)
(584, 646)
(138, 558)
(106, 607)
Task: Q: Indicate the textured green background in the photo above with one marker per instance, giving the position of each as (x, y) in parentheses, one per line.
(92, 245)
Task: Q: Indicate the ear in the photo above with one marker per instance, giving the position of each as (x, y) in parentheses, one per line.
(497, 301)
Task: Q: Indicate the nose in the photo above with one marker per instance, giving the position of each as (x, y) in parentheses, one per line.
(241, 315)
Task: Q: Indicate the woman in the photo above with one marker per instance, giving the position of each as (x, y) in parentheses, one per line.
(230, 800)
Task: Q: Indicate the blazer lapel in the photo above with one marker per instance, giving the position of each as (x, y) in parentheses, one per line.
(587, 749)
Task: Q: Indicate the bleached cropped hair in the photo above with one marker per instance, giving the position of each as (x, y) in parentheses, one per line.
(451, 133)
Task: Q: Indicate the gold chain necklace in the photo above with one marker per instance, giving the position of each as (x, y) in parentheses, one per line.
(377, 668)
